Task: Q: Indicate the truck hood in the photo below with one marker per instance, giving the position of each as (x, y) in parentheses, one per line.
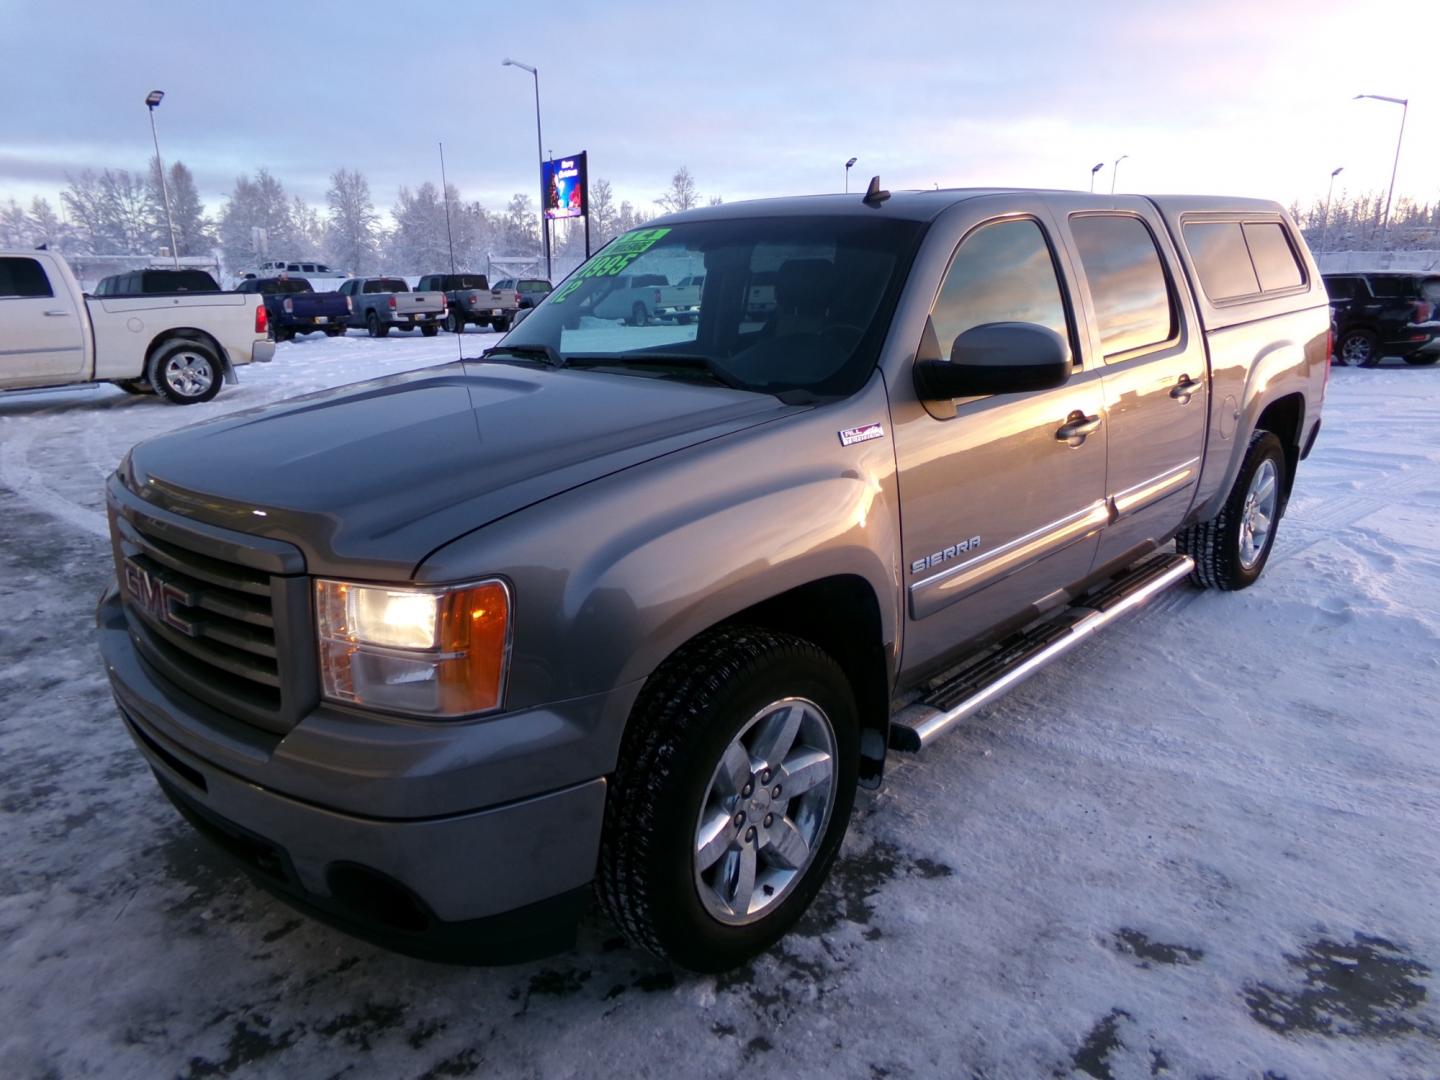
(370, 479)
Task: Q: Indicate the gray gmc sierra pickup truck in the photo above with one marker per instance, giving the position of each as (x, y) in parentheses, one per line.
(639, 608)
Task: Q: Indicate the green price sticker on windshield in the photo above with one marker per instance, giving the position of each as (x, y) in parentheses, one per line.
(616, 258)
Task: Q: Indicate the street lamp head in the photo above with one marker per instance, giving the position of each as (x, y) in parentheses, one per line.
(507, 62)
(154, 98)
(1337, 172)
(1121, 158)
(1382, 97)
(851, 162)
(1096, 167)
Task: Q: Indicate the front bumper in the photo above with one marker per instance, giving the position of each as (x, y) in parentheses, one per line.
(497, 884)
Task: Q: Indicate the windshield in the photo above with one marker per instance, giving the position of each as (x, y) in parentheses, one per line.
(788, 304)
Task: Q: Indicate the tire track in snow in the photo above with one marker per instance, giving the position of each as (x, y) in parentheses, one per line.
(17, 475)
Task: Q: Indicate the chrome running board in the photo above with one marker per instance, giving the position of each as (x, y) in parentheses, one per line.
(1013, 661)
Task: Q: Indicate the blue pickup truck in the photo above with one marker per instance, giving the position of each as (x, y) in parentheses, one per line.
(296, 308)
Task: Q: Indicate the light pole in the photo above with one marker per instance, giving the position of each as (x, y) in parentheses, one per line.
(1404, 104)
(539, 153)
(1115, 171)
(1325, 225)
(1093, 170)
(153, 99)
(848, 166)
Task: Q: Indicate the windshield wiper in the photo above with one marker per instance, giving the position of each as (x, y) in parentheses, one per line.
(706, 364)
(543, 352)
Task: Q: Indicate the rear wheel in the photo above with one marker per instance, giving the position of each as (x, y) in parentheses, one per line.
(1358, 348)
(1231, 549)
(733, 791)
(184, 372)
(135, 386)
(334, 331)
(638, 315)
(455, 323)
(430, 329)
(500, 324)
(284, 333)
(374, 327)
(1422, 361)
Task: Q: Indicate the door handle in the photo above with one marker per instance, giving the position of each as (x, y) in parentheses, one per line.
(1077, 428)
(57, 313)
(1185, 389)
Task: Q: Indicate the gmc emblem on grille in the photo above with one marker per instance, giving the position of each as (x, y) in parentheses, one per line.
(156, 597)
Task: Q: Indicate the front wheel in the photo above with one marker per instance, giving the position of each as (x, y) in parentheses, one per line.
(1358, 348)
(1231, 549)
(430, 329)
(184, 372)
(733, 791)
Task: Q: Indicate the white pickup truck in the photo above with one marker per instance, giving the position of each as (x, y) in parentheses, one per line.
(177, 345)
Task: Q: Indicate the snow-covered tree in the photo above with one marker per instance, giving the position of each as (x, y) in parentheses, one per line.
(420, 243)
(682, 193)
(520, 227)
(15, 226)
(193, 230)
(258, 203)
(310, 234)
(354, 226)
(45, 226)
(602, 214)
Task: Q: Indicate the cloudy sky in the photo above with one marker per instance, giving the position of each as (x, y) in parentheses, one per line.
(757, 99)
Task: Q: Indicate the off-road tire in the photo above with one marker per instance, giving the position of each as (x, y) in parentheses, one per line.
(685, 717)
(1215, 544)
(374, 327)
(158, 375)
(1362, 345)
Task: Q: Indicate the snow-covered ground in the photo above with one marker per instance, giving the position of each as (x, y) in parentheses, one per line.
(1208, 843)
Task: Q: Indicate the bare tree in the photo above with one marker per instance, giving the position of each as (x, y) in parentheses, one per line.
(682, 193)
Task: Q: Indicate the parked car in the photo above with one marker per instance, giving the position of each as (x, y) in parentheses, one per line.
(177, 345)
(631, 297)
(380, 305)
(680, 302)
(152, 282)
(528, 291)
(312, 270)
(296, 308)
(1388, 313)
(469, 299)
(454, 646)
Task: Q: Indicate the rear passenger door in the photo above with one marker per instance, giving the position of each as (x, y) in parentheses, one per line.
(1155, 374)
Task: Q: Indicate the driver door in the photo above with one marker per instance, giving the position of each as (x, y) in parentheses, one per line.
(1000, 510)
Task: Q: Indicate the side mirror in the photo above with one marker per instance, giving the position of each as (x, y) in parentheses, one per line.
(996, 358)
(520, 316)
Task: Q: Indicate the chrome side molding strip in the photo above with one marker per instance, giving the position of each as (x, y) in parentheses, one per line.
(918, 724)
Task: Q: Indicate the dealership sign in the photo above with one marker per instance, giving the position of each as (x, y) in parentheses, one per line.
(566, 193)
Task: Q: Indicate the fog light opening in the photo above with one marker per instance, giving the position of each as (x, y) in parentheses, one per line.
(372, 896)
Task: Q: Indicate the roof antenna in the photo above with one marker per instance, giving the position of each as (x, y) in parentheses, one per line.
(874, 196)
(445, 190)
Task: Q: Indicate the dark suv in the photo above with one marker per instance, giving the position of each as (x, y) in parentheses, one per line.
(1385, 314)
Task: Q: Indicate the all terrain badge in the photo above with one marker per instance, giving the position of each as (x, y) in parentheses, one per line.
(864, 433)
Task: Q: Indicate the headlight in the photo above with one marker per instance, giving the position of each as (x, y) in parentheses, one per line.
(430, 652)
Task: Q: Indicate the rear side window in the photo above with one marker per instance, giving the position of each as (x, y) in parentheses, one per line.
(23, 278)
(1002, 272)
(1221, 259)
(1394, 287)
(1127, 281)
(1274, 258)
(1342, 288)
